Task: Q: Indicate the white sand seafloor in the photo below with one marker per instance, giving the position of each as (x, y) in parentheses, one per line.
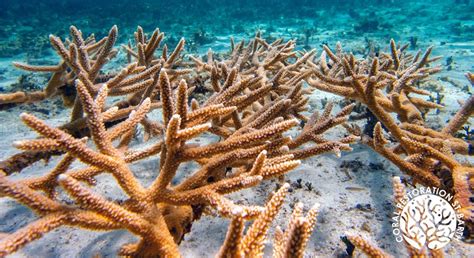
(356, 198)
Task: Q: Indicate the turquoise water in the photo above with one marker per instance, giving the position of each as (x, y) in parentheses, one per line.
(25, 25)
(448, 25)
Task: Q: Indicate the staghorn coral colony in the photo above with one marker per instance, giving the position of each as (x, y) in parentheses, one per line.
(257, 95)
(157, 140)
(256, 92)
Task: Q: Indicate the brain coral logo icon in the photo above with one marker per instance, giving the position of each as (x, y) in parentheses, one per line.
(427, 219)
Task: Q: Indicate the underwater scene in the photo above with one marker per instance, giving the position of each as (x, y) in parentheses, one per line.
(247, 128)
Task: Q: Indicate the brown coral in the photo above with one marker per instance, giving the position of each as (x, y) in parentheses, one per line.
(257, 96)
(387, 85)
